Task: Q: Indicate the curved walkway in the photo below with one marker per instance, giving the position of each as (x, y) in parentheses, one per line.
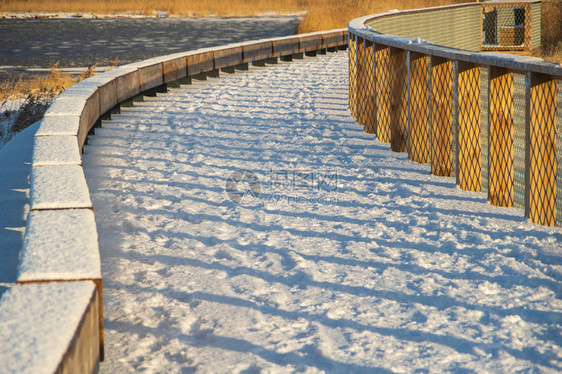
(330, 253)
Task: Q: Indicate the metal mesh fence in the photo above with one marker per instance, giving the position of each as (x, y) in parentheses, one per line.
(383, 99)
(503, 26)
(559, 156)
(419, 108)
(469, 130)
(399, 109)
(495, 129)
(519, 141)
(484, 127)
(361, 82)
(500, 152)
(542, 163)
(352, 75)
(370, 107)
(442, 117)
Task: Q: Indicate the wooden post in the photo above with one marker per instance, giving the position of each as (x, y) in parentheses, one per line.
(360, 81)
(352, 75)
(370, 88)
(469, 149)
(419, 108)
(382, 94)
(442, 117)
(500, 137)
(399, 106)
(540, 150)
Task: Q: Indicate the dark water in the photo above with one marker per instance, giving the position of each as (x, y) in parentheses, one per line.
(40, 43)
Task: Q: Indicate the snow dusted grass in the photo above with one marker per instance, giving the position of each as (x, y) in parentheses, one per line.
(382, 269)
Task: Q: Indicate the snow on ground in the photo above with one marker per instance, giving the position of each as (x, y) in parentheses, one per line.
(341, 256)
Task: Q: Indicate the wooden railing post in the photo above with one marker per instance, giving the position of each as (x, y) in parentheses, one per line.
(540, 150)
(442, 117)
(382, 92)
(419, 108)
(352, 75)
(399, 104)
(500, 137)
(360, 85)
(370, 88)
(469, 149)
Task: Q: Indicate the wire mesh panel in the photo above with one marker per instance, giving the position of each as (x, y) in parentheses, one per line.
(369, 88)
(383, 99)
(559, 155)
(542, 165)
(500, 152)
(353, 75)
(504, 26)
(442, 116)
(399, 106)
(484, 128)
(419, 108)
(519, 141)
(469, 150)
(361, 81)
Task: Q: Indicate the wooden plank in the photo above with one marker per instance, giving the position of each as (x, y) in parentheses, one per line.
(128, 85)
(285, 47)
(84, 352)
(399, 104)
(310, 43)
(227, 57)
(500, 153)
(419, 108)
(382, 92)
(469, 150)
(108, 96)
(89, 116)
(333, 39)
(442, 117)
(174, 69)
(541, 164)
(257, 51)
(151, 76)
(200, 62)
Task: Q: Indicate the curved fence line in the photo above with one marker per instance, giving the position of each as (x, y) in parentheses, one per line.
(60, 255)
(493, 121)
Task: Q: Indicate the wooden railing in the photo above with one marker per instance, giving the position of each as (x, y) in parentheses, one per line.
(60, 254)
(489, 120)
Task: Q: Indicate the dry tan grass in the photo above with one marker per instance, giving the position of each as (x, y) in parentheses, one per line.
(36, 85)
(321, 14)
(551, 30)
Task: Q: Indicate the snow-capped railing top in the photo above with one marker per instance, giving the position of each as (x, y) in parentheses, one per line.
(60, 255)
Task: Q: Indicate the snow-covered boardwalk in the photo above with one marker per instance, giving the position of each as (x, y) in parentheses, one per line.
(341, 256)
